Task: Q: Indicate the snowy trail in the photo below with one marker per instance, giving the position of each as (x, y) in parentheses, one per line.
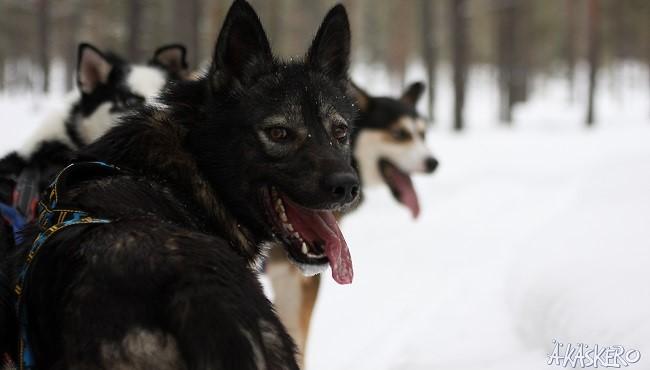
(525, 238)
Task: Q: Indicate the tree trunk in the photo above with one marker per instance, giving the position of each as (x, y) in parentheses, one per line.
(275, 11)
(2, 69)
(429, 51)
(70, 42)
(3, 48)
(570, 45)
(511, 56)
(458, 22)
(43, 19)
(135, 19)
(398, 40)
(522, 44)
(506, 31)
(188, 15)
(593, 21)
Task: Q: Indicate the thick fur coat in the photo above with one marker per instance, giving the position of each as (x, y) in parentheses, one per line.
(206, 176)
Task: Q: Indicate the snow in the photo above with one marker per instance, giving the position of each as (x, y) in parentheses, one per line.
(527, 234)
(524, 238)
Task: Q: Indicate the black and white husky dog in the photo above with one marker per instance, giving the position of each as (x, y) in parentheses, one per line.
(256, 152)
(107, 87)
(390, 143)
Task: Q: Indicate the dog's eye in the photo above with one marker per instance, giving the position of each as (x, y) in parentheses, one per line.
(340, 132)
(401, 135)
(277, 134)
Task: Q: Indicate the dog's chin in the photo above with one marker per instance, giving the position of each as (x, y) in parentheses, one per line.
(310, 269)
(311, 237)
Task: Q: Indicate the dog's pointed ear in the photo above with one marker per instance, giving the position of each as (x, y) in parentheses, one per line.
(413, 93)
(242, 45)
(330, 50)
(93, 69)
(362, 97)
(173, 59)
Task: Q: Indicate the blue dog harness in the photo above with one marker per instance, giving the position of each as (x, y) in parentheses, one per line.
(22, 206)
(52, 219)
(14, 218)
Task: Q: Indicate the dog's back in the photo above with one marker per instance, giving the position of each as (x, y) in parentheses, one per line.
(108, 86)
(149, 264)
(209, 291)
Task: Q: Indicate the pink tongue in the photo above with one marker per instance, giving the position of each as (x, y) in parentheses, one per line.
(337, 251)
(321, 226)
(401, 184)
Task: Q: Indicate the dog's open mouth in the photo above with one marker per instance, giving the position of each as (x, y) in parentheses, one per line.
(312, 237)
(400, 185)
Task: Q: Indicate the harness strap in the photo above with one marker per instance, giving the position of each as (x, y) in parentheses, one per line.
(51, 220)
(26, 194)
(14, 219)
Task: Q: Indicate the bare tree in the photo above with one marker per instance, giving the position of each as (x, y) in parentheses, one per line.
(511, 56)
(2, 68)
(429, 52)
(135, 26)
(275, 11)
(569, 44)
(398, 40)
(188, 16)
(458, 21)
(593, 54)
(43, 25)
(70, 40)
(3, 45)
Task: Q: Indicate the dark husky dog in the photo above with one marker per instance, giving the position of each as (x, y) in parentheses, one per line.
(388, 145)
(255, 153)
(107, 87)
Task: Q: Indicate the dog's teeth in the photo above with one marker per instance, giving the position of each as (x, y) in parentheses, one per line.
(283, 216)
(288, 227)
(305, 250)
(296, 235)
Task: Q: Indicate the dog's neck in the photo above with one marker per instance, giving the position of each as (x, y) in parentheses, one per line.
(152, 143)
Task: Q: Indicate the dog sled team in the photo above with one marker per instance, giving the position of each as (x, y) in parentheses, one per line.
(137, 219)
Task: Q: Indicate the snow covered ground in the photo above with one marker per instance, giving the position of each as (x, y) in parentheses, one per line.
(528, 234)
(524, 238)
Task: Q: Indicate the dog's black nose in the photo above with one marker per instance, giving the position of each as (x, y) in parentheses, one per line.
(430, 164)
(344, 186)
